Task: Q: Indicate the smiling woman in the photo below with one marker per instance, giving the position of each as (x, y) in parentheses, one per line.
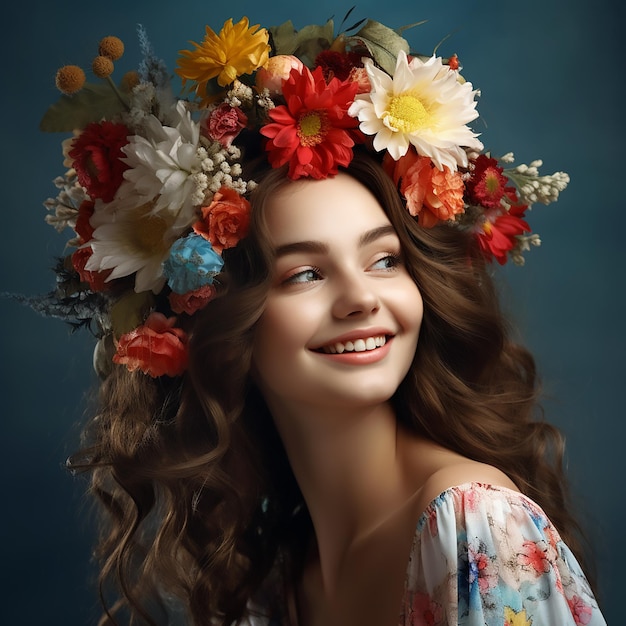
(311, 408)
(338, 280)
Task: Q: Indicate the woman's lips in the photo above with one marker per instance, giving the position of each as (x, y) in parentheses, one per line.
(362, 351)
(358, 345)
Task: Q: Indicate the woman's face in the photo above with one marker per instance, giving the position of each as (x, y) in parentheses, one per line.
(342, 317)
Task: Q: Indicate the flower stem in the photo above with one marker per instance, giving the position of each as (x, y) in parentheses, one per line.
(118, 93)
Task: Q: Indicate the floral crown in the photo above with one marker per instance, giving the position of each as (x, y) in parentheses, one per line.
(154, 187)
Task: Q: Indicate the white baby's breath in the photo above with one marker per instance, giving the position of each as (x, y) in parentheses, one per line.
(535, 188)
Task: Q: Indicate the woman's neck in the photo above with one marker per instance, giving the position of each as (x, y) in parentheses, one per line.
(351, 468)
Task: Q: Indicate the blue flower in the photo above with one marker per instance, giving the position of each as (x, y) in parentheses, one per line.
(192, 264)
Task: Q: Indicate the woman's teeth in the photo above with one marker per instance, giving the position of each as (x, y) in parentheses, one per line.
(358, 345)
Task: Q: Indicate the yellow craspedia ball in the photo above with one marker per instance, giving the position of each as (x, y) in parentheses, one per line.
(102, 66)
(130, 80)
(111, 47)
(70, 79)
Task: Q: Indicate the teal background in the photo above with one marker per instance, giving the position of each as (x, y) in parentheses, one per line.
(551, 75)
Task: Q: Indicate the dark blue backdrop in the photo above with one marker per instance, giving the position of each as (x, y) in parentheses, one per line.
(551, 77)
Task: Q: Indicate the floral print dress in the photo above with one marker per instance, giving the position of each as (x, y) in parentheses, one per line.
(485, 555)
(489, 556)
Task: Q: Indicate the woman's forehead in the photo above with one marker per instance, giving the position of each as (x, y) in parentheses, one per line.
(331, 208)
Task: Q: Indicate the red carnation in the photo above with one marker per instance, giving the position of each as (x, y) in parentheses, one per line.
(157, 348)
(96, 156)
(312, 131)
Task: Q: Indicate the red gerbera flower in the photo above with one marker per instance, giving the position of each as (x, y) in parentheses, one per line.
(96, 155)
(488, 185)
(312, 131)
(498, 235)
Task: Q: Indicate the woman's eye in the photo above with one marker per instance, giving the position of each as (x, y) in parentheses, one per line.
(387, 262)
(308, 275)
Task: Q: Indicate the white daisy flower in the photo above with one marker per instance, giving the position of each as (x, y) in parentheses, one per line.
(425, 105)
(135, 240)
(162, 168)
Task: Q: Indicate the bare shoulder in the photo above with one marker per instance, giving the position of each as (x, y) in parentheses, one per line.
(457, 472)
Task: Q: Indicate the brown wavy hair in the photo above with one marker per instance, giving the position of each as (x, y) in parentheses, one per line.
(202, 513)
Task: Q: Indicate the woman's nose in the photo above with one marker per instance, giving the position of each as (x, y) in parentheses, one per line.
(355, 295)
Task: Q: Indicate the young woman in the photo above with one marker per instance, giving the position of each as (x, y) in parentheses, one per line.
(338, 427)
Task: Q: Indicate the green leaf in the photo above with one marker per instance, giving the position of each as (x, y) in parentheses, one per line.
(401, 29)
(282, 36)
(306, 43)
(91, 104)
(130, 311)
(382, 42)
(356, 25)
(347, 15)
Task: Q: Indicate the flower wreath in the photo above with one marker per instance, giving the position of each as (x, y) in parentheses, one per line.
(154, 188)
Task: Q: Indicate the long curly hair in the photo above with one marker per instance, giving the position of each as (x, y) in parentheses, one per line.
(201, 508)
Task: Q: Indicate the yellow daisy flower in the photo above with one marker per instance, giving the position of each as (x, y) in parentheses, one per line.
(238, 49)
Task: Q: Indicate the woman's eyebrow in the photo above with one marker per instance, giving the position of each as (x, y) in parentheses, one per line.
(316, 247)
(319, 247)
(376, 233)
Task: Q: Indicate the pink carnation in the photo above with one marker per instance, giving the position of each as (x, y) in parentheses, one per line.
(225, 123)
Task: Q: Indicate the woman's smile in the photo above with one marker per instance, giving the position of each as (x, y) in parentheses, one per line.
(359, 352)
(342, 318)
(358, 345)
